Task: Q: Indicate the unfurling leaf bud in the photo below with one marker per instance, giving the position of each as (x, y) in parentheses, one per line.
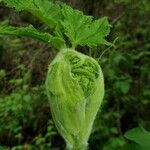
(75, 88)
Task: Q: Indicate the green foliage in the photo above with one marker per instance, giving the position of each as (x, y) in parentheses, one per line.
(25, 31)
(80, 29)
(45, 10)
(23, 106)
(30, 31)
(16, 107)
(139, 139)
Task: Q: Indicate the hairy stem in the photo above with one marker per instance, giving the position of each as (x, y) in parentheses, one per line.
(77, 147)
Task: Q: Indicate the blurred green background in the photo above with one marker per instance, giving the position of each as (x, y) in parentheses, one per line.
(25, 120)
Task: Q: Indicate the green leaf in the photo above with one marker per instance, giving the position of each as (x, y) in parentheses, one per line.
(46, 11)
(80, 29)
(139, 139)
(83, 30)
(30, 31)
(138, 135)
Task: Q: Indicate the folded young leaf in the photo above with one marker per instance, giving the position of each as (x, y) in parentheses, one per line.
(30, 31)
(83, 30)
(46, 11)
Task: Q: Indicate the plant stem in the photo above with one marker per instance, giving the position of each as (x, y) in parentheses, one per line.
(77, 146)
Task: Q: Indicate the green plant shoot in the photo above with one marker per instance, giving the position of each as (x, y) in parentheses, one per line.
(74, 82)
(75, 88)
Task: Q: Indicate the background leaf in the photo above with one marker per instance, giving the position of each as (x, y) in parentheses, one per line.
(139, 139)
